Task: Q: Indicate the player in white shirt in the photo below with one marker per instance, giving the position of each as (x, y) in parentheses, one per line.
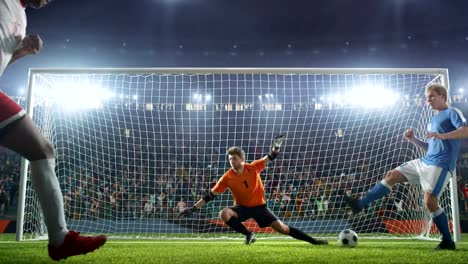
(18, 133)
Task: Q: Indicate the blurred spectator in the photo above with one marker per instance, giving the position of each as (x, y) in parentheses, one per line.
(3, 200)
(465, 195)
(181, 205)
(148, 209)
(94, 209)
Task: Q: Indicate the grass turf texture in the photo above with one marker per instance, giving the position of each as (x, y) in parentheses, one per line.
(234, 251)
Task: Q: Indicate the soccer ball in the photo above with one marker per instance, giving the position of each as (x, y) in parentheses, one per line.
(348, 238)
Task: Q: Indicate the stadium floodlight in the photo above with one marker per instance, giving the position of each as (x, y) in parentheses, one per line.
(365, 96)
(75, 96)
(197, 97)
(369, 96)
(337, 99)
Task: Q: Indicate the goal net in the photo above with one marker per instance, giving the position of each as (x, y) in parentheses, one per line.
(136, 146)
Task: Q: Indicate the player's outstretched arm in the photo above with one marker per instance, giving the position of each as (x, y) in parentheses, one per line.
(409, 135)
(189, 211)
(275, 148)
(31, 44)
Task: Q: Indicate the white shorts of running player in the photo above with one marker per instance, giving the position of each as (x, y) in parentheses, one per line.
(432, 179)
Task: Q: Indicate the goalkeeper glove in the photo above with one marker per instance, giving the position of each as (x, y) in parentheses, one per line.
(187, 212)
(276, 146)
(278, 141)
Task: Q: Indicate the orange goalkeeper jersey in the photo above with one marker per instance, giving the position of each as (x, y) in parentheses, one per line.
(247, 188)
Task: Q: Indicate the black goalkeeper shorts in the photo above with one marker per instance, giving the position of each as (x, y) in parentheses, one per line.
(262, 215)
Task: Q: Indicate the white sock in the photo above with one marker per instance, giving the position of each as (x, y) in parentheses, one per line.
(437, 212)
(386, 184)
(47, 188)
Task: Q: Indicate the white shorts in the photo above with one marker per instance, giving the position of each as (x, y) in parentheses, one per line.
(10, 111)
(432, 179)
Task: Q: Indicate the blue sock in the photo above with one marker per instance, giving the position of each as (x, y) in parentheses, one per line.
(378, 191)
(440, 219)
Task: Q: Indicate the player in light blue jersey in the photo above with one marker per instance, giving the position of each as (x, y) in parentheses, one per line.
(432, 171)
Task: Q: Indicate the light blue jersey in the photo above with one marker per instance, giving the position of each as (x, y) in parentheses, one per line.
(444, 153)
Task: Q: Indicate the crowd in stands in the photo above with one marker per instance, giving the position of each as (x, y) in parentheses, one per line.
(9, 179)
(131, 192)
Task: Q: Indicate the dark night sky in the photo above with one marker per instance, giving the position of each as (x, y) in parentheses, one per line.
(261, 33)
(203, 20)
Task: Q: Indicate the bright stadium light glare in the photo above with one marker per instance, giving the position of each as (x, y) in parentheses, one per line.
(135, 97)
(366, 96)
(337, 99)
(461, 90)
(197, 97)
(207, 97)
(369, 96)
(78, 96)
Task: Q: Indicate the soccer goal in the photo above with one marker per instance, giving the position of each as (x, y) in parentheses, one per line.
(135, 146)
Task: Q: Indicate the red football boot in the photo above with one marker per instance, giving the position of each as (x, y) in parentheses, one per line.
(75, 244)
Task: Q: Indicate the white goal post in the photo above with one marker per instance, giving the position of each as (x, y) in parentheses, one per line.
(133, 145)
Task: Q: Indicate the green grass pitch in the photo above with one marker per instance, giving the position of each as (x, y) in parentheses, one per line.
(234, 251)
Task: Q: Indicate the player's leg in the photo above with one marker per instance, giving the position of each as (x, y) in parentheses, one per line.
(265, 217)
(377, 192)
(434, 181)
(382, 188)
(233, 217)
(405, 172)
(439, 218)
(280, 227)
(22, 136)
(19, 134)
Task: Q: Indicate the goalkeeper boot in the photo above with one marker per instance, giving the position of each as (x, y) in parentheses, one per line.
(320, 242)
(250, 239)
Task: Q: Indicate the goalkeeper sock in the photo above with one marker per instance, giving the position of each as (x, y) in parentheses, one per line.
(47, 188)
(235, 224)
(298, 234)
(377, 192)
(440, 219)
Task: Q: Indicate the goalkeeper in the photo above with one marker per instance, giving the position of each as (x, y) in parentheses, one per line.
(246, 186)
